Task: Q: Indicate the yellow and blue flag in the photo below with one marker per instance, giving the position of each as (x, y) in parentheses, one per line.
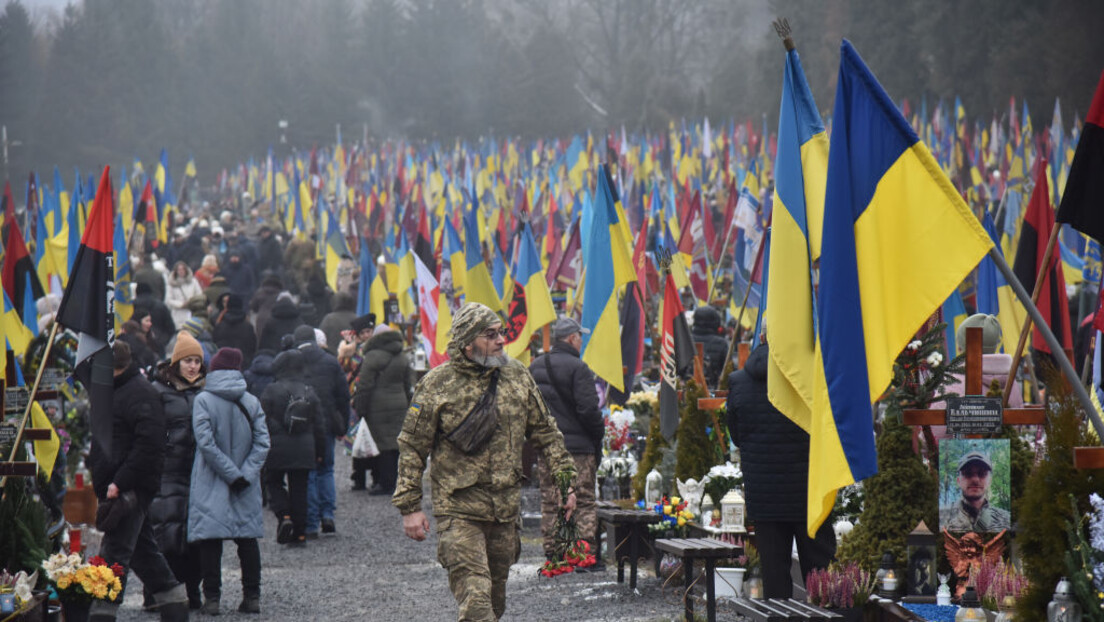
(530, 304)
(995, 296)
(800, 174)
(897, 240)
(478, 286)
(608, 268)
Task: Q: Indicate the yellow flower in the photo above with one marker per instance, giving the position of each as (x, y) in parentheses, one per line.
(63, 582)
(112, 594)
(666, 509)
(100, 592)
(681, 521)
(675, 500)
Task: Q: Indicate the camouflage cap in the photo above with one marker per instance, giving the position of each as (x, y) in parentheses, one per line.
(472, 319)
(975, 456)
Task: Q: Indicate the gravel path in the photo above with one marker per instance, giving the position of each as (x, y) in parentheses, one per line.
(371, 571)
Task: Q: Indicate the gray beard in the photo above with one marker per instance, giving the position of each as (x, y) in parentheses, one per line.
(500, 360)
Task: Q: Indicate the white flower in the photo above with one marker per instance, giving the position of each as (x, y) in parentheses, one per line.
(914, 345)
(934, 359)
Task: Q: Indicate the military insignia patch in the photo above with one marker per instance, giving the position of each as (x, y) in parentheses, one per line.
(414, 409)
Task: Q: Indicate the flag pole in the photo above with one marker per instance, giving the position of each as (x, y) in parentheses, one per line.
(30, 399)
(1018, 354)
(1052, 341)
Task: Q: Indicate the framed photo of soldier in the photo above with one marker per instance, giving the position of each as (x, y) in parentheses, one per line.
(974, 489)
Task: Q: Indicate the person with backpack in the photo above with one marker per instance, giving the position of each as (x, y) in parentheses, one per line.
(232, 443)
(298, 432)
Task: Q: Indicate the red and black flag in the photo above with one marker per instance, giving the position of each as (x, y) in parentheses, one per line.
(1083, 200)
(1053, 304)
(676, 356)
(423, 243)
(88, 308)
(20, 279)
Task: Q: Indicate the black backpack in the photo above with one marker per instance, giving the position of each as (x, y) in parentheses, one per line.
(297, 415)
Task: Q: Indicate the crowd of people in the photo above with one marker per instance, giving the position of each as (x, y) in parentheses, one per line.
(236, 375)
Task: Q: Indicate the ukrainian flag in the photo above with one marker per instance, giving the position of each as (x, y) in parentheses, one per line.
(478, 286)
(531, 304)
(336, 249)
(898, 239)
(608, 267)
(800, 175)
(371, 291)
(124, 302)
(17, 334)
(954, 313)
(995, 296)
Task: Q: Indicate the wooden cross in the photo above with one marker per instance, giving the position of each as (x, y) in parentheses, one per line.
(1030, 415)
(9, 467)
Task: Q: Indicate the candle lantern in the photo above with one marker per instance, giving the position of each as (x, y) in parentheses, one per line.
(920, 577)
(886, 577)
(732, 511)
(1063, 608)
(969, 610)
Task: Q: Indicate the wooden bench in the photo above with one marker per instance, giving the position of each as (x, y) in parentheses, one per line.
(636, 522)
(781, 610)
(708, 550)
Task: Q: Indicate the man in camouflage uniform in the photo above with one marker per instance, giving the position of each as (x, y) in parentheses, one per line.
(973, 512)
(476, 496)
(567, 385)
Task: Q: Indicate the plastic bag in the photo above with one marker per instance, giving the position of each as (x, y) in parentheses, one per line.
(364, 446)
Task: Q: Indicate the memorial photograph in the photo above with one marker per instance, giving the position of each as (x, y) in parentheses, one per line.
(974, 485)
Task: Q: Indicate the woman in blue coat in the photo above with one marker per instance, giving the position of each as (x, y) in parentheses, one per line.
(231, 446)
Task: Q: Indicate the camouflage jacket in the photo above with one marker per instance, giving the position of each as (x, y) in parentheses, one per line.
(962, 517)
(485, 485)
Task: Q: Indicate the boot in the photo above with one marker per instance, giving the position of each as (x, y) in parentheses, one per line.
(210, 607)
(250, 604)
(173, 603)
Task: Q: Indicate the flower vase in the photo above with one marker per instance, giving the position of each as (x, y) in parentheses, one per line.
(75, 611)
(728, 582)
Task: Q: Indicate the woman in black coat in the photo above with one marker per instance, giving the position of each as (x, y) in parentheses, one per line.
(233, 330)
(178, 381)
(284, 320)
(297, 444)
(383, 392)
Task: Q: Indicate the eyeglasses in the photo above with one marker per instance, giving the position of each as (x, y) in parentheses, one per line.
(493, 333)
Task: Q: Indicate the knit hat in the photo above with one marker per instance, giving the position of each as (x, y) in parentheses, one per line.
(193, 325)
(226, 358)
(186, 346)
(472, 319)
(364, 322)
(303, 335)
(990, 332)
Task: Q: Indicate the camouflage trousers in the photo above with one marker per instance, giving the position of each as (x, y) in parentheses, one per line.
(477, 556)
(585, 518)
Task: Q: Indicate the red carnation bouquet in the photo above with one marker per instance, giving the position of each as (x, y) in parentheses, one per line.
(569, 550)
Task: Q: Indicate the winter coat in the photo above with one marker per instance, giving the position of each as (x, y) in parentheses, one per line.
(339, 319)
(137, 440)
(299, 450)
(285, 318)
(774, 451)
(715, 351)
(269, 255)
(239, 278)
(180, 290)
(383, 388)
(235, 331)
(324, 374)
(228, 446)
(146, 274)
(579, 418)
(163, 324)
(216, 289)
(262, 302)
(260, 373)
(168, 514)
